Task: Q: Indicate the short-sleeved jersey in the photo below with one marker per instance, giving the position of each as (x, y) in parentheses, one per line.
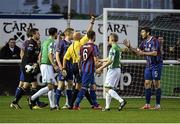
(31, 52)
(149, 46)
(73, 50)
(24, 44)
(87, 53)
(115, 56)
(46, 48)
(62, 47)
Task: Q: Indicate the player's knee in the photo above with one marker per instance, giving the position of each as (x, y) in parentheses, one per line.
(147, 84)
(50, 86)
(78, 86)
(107, 89)
(157, 84)
(21, 83)
(69, 86)
(26, 85)
(34, 84)
(61, 85)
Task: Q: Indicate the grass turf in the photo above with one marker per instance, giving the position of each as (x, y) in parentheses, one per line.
(130, 114)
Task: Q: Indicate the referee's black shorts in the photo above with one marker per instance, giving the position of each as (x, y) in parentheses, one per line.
(76, 73)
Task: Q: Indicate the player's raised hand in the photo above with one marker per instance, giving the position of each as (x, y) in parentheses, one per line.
(92, 19)
(139, 52)
(126, 43)
(126, 49)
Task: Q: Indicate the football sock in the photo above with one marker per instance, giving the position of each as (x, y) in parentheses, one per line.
(32, 92)
(87, 95)
(17, 90)
(51, 96)
(67, 103)
(19, 94)
(80, 96)
(40, 92)
(108, 100)
(93, 97)
(158, 96)
(74, 97)
(114, 95)
(69, 96)
(57, 96)
(148, 95)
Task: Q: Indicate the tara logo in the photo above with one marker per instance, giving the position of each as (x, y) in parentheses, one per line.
(19, 36)
(18, 29)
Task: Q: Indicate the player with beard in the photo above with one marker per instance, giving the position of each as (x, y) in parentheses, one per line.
(29, 58)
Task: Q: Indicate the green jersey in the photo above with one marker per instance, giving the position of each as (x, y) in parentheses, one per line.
(115, 56)
(47, 48)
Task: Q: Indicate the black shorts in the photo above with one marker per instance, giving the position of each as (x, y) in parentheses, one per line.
(76, 73)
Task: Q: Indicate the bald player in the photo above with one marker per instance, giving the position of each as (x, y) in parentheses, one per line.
(72, 54)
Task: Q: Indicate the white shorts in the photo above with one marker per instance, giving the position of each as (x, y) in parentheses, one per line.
(47, 73)
(113, 77)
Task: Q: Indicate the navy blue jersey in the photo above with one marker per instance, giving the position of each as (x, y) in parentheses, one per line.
(149, 46)
(62, 47)
(87, 53)
(31, 52)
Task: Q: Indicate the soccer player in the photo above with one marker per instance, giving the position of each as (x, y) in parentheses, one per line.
(89, 60)
(47, 68)
(34, 85)
(61, 36)
(29, 36)
(29, 57)
(150, 48)
(73, 54)
(61, 49)
(113, 73)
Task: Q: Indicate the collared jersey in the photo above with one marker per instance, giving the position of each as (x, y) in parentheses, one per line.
(149, 46)
(62, 47)
(87, 53)
(74, 49)
(115, 56)
(47, 48)
(31, 52)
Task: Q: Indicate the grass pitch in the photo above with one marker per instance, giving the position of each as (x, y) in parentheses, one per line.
(170, 113)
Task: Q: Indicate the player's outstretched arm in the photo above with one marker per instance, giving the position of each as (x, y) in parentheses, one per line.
(128, 45)
(124, 49)
(103, 60)
(106, 64)
(90, 27)
(153, 53)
